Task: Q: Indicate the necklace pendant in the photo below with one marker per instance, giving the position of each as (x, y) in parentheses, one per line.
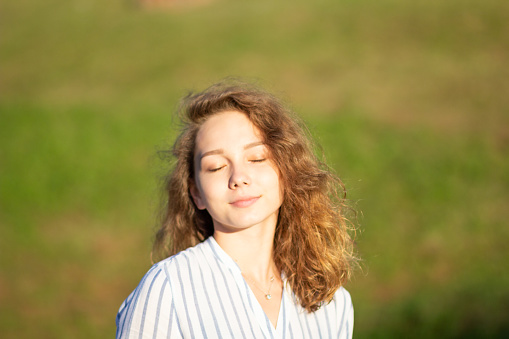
(268, 296)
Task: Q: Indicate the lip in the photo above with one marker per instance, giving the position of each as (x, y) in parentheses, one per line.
(243, 202)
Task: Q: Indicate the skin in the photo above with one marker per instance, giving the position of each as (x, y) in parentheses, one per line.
(238, 184)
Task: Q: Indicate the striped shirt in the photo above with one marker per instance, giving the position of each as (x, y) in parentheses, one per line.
(201, 293)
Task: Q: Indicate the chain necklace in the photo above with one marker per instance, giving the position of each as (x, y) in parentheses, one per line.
(268, 296)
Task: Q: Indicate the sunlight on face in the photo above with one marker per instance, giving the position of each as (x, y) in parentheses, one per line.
(235, 179)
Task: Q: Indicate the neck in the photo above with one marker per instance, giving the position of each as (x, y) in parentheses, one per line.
(252, 250)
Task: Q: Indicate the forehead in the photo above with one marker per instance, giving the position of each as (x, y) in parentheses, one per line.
(227, 129)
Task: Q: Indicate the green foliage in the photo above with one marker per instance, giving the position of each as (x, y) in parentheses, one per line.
(407, 100)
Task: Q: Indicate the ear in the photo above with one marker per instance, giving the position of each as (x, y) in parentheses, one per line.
(195, 193)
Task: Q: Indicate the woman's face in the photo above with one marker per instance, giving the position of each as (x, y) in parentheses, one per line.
(236, 181)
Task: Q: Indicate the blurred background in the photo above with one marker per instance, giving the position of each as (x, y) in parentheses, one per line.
(409, 100)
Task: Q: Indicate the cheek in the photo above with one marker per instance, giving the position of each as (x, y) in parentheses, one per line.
(273, 182)
(210, 189)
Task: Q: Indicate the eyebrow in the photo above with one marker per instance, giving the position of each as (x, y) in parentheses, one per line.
(221, 151)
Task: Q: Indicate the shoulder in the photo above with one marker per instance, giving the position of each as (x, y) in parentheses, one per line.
(148, 301)
(342, 299)
(175, 266)
(340, 305)
(153, 300)
(167, 270)
(332, 320)
(343, 306)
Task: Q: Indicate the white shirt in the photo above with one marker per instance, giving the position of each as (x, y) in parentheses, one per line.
(201, 293)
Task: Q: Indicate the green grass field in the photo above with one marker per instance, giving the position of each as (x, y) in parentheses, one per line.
(408, 100)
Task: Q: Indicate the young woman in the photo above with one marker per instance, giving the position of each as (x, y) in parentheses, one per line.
(254, 233)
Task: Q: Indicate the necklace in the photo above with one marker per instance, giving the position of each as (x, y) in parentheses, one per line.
(268, 296)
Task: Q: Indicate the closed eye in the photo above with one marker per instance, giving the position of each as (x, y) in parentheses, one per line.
(215, 169)
(258, 160)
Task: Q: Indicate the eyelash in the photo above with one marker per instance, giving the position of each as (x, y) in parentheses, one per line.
(215, 169)
(212, 170)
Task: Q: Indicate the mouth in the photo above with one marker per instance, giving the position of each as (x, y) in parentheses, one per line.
(244, 202)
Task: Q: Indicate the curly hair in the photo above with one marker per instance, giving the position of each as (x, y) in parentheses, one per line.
(312, 244)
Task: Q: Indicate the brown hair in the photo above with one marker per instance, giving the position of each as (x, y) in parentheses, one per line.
(312, 245)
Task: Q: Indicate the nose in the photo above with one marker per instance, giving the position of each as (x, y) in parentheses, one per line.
(238, 177)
